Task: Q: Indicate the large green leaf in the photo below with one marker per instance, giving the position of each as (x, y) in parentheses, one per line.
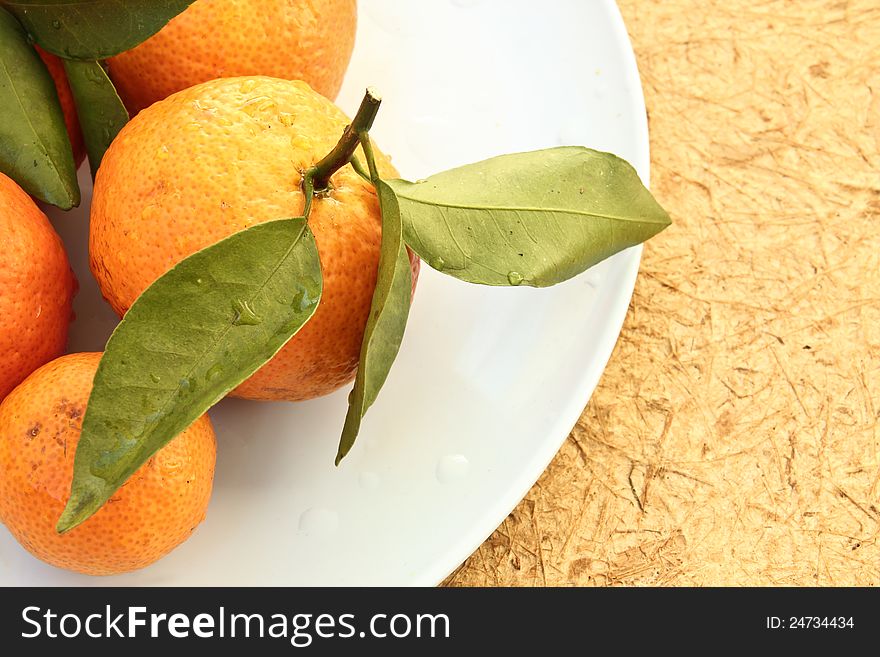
(387, 321)
(190, 338)
(101, 113)
(93, 29)
(34, 147)
(535, 218)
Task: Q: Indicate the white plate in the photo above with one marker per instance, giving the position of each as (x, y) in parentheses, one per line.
(489, 381)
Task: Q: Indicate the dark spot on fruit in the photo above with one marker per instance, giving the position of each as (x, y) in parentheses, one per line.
(34, 431)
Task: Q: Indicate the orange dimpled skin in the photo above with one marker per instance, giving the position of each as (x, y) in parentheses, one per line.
(154, 512)
(68, 104)
(220, 157)
(308, 40)
(36, 288)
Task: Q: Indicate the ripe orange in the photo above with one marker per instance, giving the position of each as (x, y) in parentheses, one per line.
(308, 40)
(36, 288)
(222, 156)
(68, 105)
(154, 512)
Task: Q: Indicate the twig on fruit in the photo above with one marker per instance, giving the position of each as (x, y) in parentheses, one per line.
(341, 155)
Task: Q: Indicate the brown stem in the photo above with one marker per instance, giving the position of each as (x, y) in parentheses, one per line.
(342, 153)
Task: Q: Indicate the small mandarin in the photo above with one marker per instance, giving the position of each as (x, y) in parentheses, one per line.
(310, 40)
(152, 513)
(36, 288)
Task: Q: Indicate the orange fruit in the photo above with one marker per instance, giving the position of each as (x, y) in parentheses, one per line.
(154, 512)
(68, 105)
(219, 157)
(308, 40)
(36, 288)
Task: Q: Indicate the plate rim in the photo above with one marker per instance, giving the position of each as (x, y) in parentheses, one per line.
(469, 542)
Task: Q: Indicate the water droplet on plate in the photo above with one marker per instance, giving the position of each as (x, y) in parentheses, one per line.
(369, 480)
(319, 521)
(452, 467)
(437, 263)
(515, 278)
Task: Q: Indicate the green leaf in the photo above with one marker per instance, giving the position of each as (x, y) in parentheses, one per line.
(34, 147)
(535, 218)
(191, 337)
(101, 113)
(93, 29)
(386, 323)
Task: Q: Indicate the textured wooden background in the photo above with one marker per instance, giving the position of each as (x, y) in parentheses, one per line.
(734, 436)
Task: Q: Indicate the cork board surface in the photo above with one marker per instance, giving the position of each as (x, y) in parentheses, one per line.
(733, 439)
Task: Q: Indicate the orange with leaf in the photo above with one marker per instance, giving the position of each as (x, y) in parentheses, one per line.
(224, 156)
(157, 509)
(258, 244)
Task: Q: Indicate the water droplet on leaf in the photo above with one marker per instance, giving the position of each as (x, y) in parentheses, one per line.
(437, 263)
(244, 314)
(187, 386)
(515, 278)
